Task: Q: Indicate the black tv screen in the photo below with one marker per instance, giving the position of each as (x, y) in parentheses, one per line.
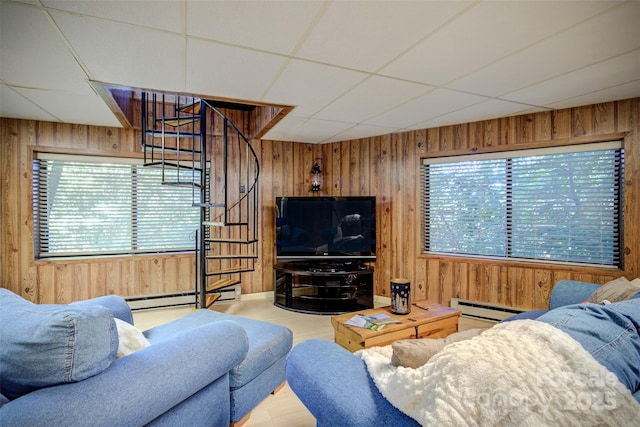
(326, 227)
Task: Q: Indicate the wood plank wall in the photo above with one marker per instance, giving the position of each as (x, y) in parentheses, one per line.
(388, 167)
(384, 166)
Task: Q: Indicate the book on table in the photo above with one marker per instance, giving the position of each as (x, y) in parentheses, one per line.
(374, 322)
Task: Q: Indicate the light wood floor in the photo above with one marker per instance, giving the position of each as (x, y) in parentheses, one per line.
(282, 408)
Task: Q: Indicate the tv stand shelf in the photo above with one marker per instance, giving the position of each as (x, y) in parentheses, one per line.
(323, 287)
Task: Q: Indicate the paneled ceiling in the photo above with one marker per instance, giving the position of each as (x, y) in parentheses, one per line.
(351, 69)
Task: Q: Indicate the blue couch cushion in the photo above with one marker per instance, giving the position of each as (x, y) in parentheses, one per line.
(47, 344)
(268, 342)
(531, 315)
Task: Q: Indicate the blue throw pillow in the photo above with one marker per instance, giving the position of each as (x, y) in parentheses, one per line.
(47, 344)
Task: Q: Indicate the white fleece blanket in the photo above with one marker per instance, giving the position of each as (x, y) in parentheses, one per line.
(520, 373)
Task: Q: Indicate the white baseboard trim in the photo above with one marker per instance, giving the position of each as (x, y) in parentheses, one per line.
(380, 301)
(258, 295)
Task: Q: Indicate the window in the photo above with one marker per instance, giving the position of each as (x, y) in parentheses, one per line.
(93, 206)
(562, 204)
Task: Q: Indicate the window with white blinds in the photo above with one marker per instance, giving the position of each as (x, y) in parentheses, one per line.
(562, 204)
(96, 206)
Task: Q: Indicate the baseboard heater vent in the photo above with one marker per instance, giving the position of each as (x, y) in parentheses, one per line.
(483, 310)
(176, 299)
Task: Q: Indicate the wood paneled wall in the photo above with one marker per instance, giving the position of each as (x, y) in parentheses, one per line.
(385, 166)
(388, 167)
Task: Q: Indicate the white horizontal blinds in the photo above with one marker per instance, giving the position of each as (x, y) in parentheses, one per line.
(467, 208)
(566, 207)
(83, 208)
(561, 205)
(86, 207)
(163, 214)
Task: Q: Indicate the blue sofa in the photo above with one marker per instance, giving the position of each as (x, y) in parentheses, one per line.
(206, 368)
(336, 388)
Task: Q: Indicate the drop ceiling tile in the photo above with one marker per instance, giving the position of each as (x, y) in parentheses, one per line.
(624, 91)
(486, 33)
(16, 106)
(584, 44)
(220, 70)
(311, 86)
(370, 98)
(27, 56)
(285, 127)
(614, 72)
(71, 107)
(307, 130)
(361, 131)
(275, 26)
(125, 54)
(487, 110)
(367, 35)
(428, 106)
(163, 15)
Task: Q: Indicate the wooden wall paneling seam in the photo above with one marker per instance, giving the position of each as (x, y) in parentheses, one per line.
(10, 147)
(374, 183)
(28, 273)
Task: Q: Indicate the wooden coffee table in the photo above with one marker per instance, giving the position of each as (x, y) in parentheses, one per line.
(426, 320)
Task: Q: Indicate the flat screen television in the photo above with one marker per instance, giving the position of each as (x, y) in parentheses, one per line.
(325, 228)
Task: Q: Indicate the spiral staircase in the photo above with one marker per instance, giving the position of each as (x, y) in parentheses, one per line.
(197, 146)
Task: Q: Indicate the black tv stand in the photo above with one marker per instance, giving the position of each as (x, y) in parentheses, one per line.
(323, 287)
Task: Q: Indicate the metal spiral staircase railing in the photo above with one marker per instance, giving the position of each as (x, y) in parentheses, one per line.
(196, 145)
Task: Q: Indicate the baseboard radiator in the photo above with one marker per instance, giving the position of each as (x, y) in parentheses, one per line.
(483, 310)
(176, 299)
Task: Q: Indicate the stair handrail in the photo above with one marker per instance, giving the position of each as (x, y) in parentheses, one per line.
(254, 184)
(246, 141)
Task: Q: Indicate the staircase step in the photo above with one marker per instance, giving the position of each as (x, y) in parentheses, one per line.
(241, 241)
(193, 107)
(178, 121)
(211, 298)
(232, 256)
(209, 205)
(224, 224)
(222, 283)
(240, 269)
(171, 134)
(171, 165)
(182, 184)
(172, 149)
